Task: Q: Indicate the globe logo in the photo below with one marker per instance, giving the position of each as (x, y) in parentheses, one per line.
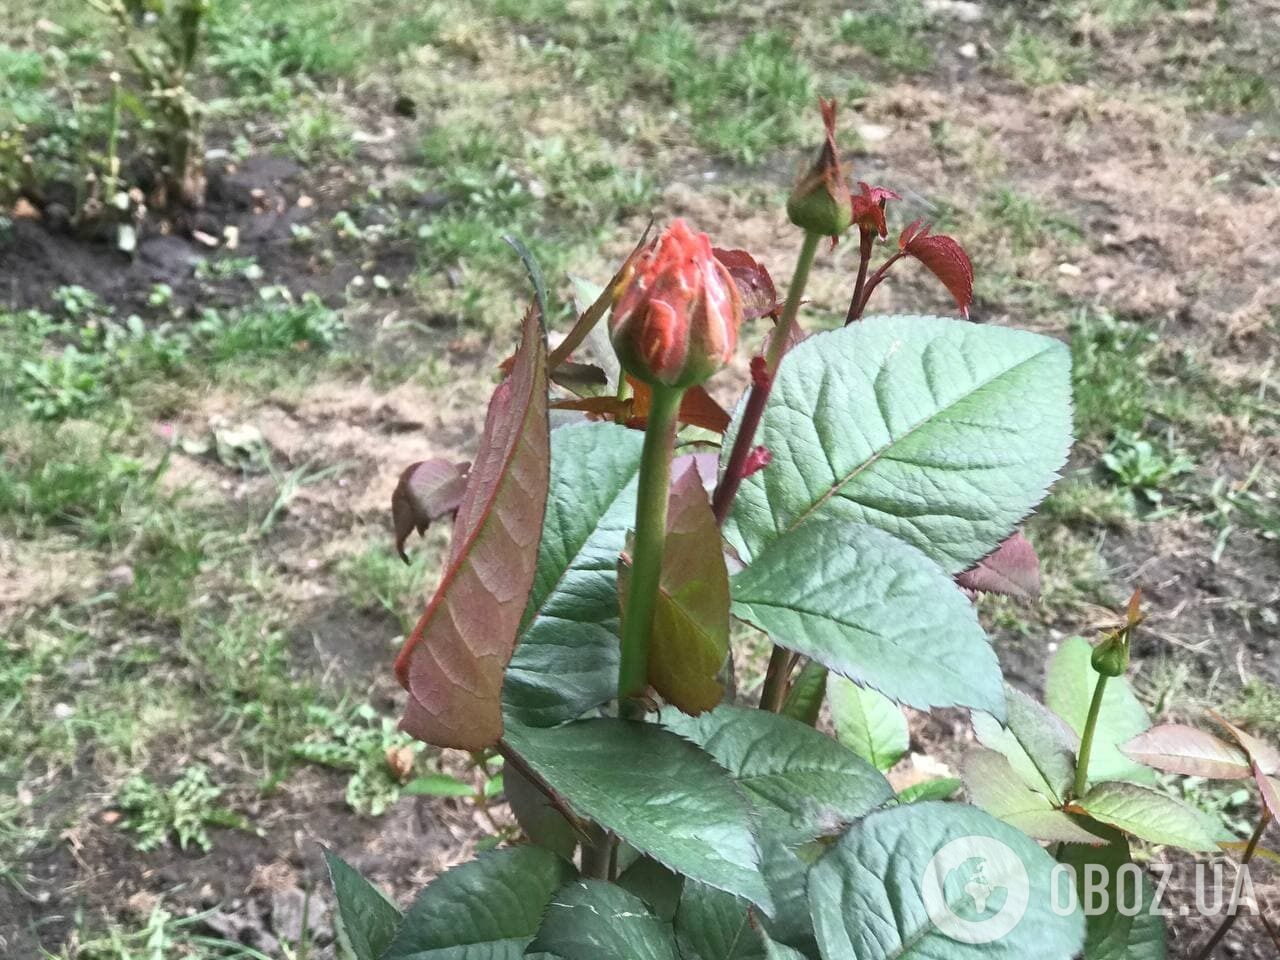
(975, 889)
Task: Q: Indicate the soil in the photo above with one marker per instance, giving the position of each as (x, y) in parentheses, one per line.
(1156, 248)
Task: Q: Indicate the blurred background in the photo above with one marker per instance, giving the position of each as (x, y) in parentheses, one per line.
(251, 265)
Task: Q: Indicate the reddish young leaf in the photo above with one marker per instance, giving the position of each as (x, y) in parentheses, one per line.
(1269, 787)
(691, 624)
(868, 208)
(944, 258)
(1260, 752)
(428, 490)
(453, 662)
(759, 296)
(1012, 569)
(1178, 748)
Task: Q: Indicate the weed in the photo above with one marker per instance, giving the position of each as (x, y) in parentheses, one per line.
(741, 103)
(890, 33)
(1025, 222)
(161, 935)
(1137, 465)
(183, 810)
(1077, 500)
(378, 756)
(377, 574)
(1039, 60)
(279, 325)
(1231, 88)
(1111, 362)
(1257, 707)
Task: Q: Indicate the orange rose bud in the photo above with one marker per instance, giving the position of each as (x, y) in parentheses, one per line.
(820, 202)
(676, 317)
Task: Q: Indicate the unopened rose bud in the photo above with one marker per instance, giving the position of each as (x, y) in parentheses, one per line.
(1111, 656)
(820, 202)
(676, 317)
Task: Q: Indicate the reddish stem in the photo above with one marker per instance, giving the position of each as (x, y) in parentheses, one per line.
(875, 282)
(867, 240)
(735, 469)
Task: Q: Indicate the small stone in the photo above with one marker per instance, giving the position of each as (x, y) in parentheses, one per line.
(119, 578)
(962, 10)
(63, 711)
(287, 908)
(1069, 270)
(874, 132)
(968, 50)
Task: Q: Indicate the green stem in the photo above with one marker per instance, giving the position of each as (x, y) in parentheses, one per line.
(1086, 738)
(795, 293)
(774, 692)
(651, 534)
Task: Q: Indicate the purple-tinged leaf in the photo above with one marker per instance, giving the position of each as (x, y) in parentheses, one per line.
(428, 490)
(759, 295)
(453, 662)
(691, 623)
(1260, 752)
(1269, 787)
(942, 257)
(1178, 748)
(1011, 569)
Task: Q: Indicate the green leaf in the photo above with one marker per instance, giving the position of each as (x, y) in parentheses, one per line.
(1152, 816)
(804, 699)
(1124, 926)
(773, 950)
(787, 873)
(541, 822)
(802, 783)
(939, 788)
(995, 787)
(437, 785)
(486, 909)
(654, 884)
(1068, 693)
(896, 886)
(868, 723)
(367, 920)
(713, 925)
(690, 639)
(1178, 748)
(655, 790)
(941, 432)
(567, 659)
(872, 609)
(454, 661)
(1037, 743)
(593, 920)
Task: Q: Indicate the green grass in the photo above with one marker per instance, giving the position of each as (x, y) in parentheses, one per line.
(184, 810)
(1037, 59)
(891, 33)
(1111, 372)
(1025, 222)
(1232, 88)
(740, 103)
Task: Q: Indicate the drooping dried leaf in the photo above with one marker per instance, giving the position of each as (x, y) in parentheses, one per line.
(1178, 748)
(944, 258)
(697, 408)
(428, 491)
(583, 379)
(453, 662)
(591, 316)
(1260, 752)
(691, 623)
(759, 295)
(1011, 569)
